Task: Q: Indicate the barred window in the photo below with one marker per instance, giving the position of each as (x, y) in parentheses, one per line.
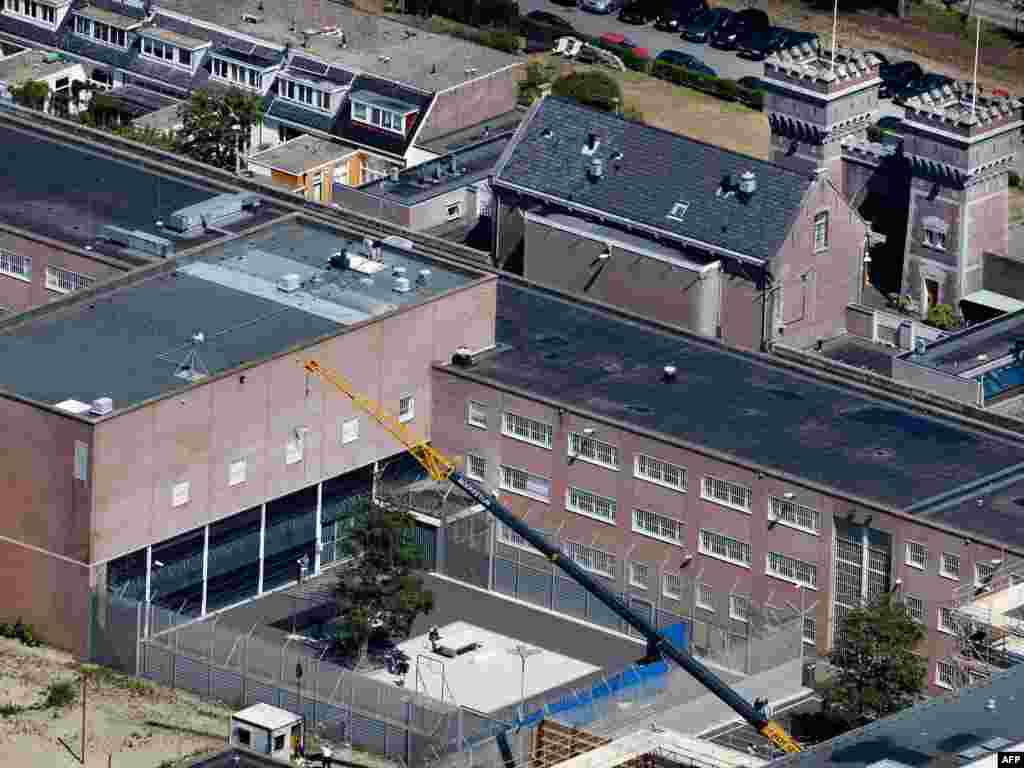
(672, 586)
(639, 575)
(947, 621)
(476, 414)
(915, 607)
(590, 559)
(791, 569)
(795, 515)
(521, 481)
(528, 430)
(659, 472)
(14, 265)
(590, 504)
(739, 608)
(724, 492)
(406, 408)
(810, 632)
(917, 554)
(507, 536)
(945, 674)
(983, 573)
(658, 526)
(724, 548)
(705, 597)
(950, 566)
(593, 450)
(63, 280)
(476, 467)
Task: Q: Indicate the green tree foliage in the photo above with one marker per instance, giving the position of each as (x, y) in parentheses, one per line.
(208, 119)
(32, 94)
(538, 73)
(592, 89)
(942, 316)
(878, 672)
(381, 595)
(632, 113)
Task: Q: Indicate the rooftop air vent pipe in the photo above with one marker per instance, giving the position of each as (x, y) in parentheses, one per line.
(462, 357)
(669, 372)
(596, 170)
(592, 141)
(748, 183)
(393, 173)
(423, 277)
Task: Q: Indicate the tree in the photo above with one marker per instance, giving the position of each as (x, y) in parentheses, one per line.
(32, 94)
(538, 74)
(942, 317)
(592, 89)
(878, 672)
(382, 595)
(208, 120)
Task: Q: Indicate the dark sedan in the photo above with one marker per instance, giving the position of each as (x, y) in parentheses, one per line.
(929, 82)
(896, 77)
(640, 11)
(739, 28)
(763, 43)
(794, 37)
(550, 20)
(703, 26)
(675, 17)
(686, 61)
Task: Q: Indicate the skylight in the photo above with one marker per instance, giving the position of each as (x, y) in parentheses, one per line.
(678, 211)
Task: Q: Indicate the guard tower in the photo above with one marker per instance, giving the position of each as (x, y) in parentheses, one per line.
(813, 106)
(959, 152)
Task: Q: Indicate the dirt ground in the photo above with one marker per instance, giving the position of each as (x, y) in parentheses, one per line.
(118, 712)
(687, 112)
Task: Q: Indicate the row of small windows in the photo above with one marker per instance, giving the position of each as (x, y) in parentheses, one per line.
(33, 10)
(166, 52)
(381, 118)
(58, 279)
(303, 94)
(99, 31)
(238, 74)
(949, 564)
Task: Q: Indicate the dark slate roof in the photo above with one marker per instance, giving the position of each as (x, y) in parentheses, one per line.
(123, 9)
(657, 170)
(102, 54)
(321, 70)
(932, 733)
(139, 101)
(247, 54)
(369, 136)
(283, 109)
(131, 61)
(12, 25)
(217, 38)
(740, 404)
(165, 72)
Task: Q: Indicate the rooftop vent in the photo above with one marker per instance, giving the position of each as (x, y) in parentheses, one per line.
(399, 242)
(669, 372)
(547, 133)
(73, 406)
(748, 183)
(101, 406)
(423, 277)
(393, 174)
(289, 283)
(596, 170)
(593, 142)
(398, 271)
(462, 357)
(402, 285)
(340, 260)
(452, 651)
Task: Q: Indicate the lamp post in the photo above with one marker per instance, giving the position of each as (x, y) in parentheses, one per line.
(523, 652)
(301, 565)
(302, 732)
(237, 128)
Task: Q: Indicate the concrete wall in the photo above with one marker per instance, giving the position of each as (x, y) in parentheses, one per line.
(908, 372)
(742, 309)
(452, 433)
(629, 279)
(1004, 275)
(194, 436)
(472, 103)
(44, 524)
(351, 199)
(17, 294)
(434, 212)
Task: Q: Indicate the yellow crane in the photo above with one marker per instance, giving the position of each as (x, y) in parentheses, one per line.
(441, 468)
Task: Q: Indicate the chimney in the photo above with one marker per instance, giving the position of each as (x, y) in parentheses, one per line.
(670, 372)
(592, 141)
(454, 165)
(393, 173)
(437, 172)
(596, 170)
(748, 183)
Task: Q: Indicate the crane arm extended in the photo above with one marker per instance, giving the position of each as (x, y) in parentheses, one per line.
(441, 468)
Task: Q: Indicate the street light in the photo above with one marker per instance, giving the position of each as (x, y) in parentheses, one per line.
(523, 652)
(302, 563)
(302, 734)
(237, 128)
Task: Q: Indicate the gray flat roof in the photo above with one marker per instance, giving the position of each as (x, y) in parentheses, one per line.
(302, 154)
(932, 733)
(108, 17)
(960, 351)
(174, 38)
(735, 403)
(30, 64)
(128, 342)
(424, 60)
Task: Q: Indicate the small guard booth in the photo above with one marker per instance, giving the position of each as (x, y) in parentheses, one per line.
(267, 730)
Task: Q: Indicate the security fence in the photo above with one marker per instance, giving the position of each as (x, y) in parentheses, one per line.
(728, 629)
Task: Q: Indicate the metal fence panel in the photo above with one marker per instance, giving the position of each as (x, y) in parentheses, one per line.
(505, 576)
(534, 586)
(572, 598)
(157, 665)
(226, 686)
(192, 675)
(256, 693)
(367, 733)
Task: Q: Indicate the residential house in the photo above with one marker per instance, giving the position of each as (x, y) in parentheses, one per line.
(53, 69)
(306, 166)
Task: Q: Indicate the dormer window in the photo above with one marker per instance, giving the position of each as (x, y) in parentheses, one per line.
(302, 93)
(171, 48)
(381, 112)
(101, 32)
(243, 70)
(935, 231)
(45, 14)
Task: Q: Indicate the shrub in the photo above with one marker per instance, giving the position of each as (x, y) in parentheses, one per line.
(941, 316)
(59, 694)
(716, 86)
(1014, 179)
(593, 89)
(7, 710)
(631, 113)
(874, 133)
(501, 40)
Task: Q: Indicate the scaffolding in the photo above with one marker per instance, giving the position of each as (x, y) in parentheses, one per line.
(987, 616)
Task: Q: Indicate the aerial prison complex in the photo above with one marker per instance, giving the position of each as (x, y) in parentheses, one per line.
(164, 442)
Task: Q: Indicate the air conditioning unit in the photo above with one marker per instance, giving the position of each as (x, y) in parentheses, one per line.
(402, 285)
(289, 283)
(101, 406)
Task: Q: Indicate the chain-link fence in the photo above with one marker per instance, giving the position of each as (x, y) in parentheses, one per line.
(726, 628)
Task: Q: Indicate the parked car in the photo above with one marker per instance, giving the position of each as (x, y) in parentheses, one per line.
(921, 85)
(882, 58)
(762, 43)
(676, 15)
(750, 83)
(640, 11)
(601, 6)
(796, 37)
(739, 28)
(704, 25)
(896, 77)
(685, 60)
(544, 18)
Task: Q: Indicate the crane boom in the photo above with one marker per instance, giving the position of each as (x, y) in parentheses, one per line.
(441, 468)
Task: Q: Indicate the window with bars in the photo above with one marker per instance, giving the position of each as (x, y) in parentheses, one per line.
(950, 566)
(592, 450)
(659, 472)
(724, 492)
(507, 536)
(945, 674)
(794, 515)
(739, 608)
(590, 504)
(657, 526)
(590, 559)
(406, 408)
(725, 548)
(523, 482)
(15, 265)
(810, 631)
(476, 467)
(672, 586)
(476, 414)
(821, 231)
(527, 430)
(791, 569)
(639, 575)
(349, 431)
(948, 621)
(705, 597)
(983, 573)
(915, 608)
(917, 554)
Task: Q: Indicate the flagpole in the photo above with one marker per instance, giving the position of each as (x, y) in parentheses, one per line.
(977, 48)
(835, 25)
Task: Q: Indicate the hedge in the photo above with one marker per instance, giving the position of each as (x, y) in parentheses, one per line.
(723, 88)
(477, 13)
